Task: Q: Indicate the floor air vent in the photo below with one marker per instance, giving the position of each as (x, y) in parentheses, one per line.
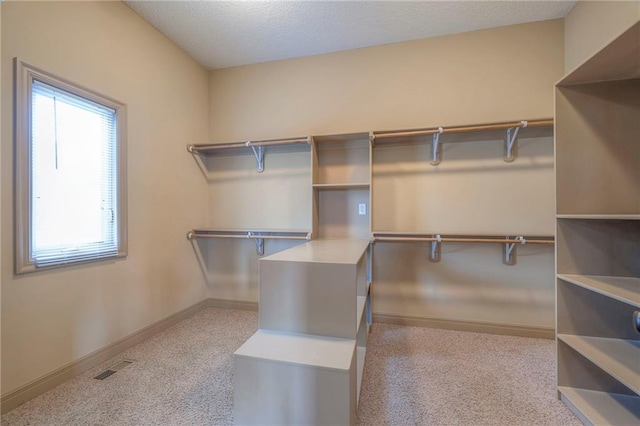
(119, 366)
(104, 374)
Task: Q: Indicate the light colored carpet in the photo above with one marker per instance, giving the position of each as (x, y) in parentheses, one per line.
(413, 376)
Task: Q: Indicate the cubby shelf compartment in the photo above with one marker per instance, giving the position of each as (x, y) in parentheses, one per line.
(257, 147)
(617, 357)
(341, 160)
(601, 408)
(490, 130)
(623, 289)
(259, 235)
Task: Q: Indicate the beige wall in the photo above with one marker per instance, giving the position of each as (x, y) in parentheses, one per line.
(52, 318)
(498, 74)
(485, 76)
(593, 24)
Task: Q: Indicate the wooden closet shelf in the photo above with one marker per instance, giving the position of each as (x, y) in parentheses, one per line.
(600, 216)
(341, 185)
(623, 289)
(281, 234)
(411, 237)
(618, 357)
(463, 129)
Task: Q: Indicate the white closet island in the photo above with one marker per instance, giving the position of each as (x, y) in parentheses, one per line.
(304, 365)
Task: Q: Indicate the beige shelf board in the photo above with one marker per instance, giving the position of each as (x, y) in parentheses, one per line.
(344, 251)
(300, 349)
(452, 234)
(239, 230)
(600, 216)
(601, 408)
(623, 289)
(342, 137)
(360, 305)
(614, 62)
(465, 133)
(619, 358)
(357, 185)
(360, 368)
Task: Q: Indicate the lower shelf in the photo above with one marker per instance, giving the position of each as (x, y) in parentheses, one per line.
(618, 357)
(601, 408)
(299, 349)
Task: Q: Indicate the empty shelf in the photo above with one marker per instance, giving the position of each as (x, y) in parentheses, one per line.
(284, 234)
(600, 216)
(324, 251)
(328, 186)
(619, 358)
(600, 408)
(623, 289)
(302, 349)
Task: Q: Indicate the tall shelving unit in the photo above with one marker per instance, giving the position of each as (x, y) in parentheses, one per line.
(598, 234)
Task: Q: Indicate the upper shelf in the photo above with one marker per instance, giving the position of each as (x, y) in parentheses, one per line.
(208, 149)
(258, 235)
(256, 147)
(619, 60)
(506, 131)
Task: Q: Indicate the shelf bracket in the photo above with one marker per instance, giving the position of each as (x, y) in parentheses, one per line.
(510, 252)
(259, 243)
(510, 144)
(258, 152)
(435, 249)
(436, 148)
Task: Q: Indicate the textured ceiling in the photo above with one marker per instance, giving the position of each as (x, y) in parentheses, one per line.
(221, 34)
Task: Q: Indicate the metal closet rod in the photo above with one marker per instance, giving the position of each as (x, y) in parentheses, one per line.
(465, 240)
(464, 129)
(245, 235)
(267, 142)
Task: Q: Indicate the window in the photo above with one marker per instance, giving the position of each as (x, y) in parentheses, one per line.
(70, 173)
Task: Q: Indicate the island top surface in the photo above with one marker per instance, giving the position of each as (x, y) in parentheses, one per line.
(348, 251)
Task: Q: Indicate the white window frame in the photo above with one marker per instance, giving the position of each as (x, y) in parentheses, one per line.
(24, 75)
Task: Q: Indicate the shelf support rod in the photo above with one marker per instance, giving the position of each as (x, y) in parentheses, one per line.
(435, 250)
(436, 148)
(259, 243)
(258, 152)
(509, 251)
(511, 147)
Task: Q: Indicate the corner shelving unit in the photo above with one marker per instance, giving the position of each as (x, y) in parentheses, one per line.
(598, 234)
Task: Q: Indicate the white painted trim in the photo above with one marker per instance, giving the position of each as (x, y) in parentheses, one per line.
(472, 326)
(243, 305)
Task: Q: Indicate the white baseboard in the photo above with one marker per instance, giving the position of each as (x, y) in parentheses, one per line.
(473, 326)
(47, 382)
(243, 305)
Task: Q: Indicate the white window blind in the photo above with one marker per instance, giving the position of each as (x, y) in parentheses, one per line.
(74, 178)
